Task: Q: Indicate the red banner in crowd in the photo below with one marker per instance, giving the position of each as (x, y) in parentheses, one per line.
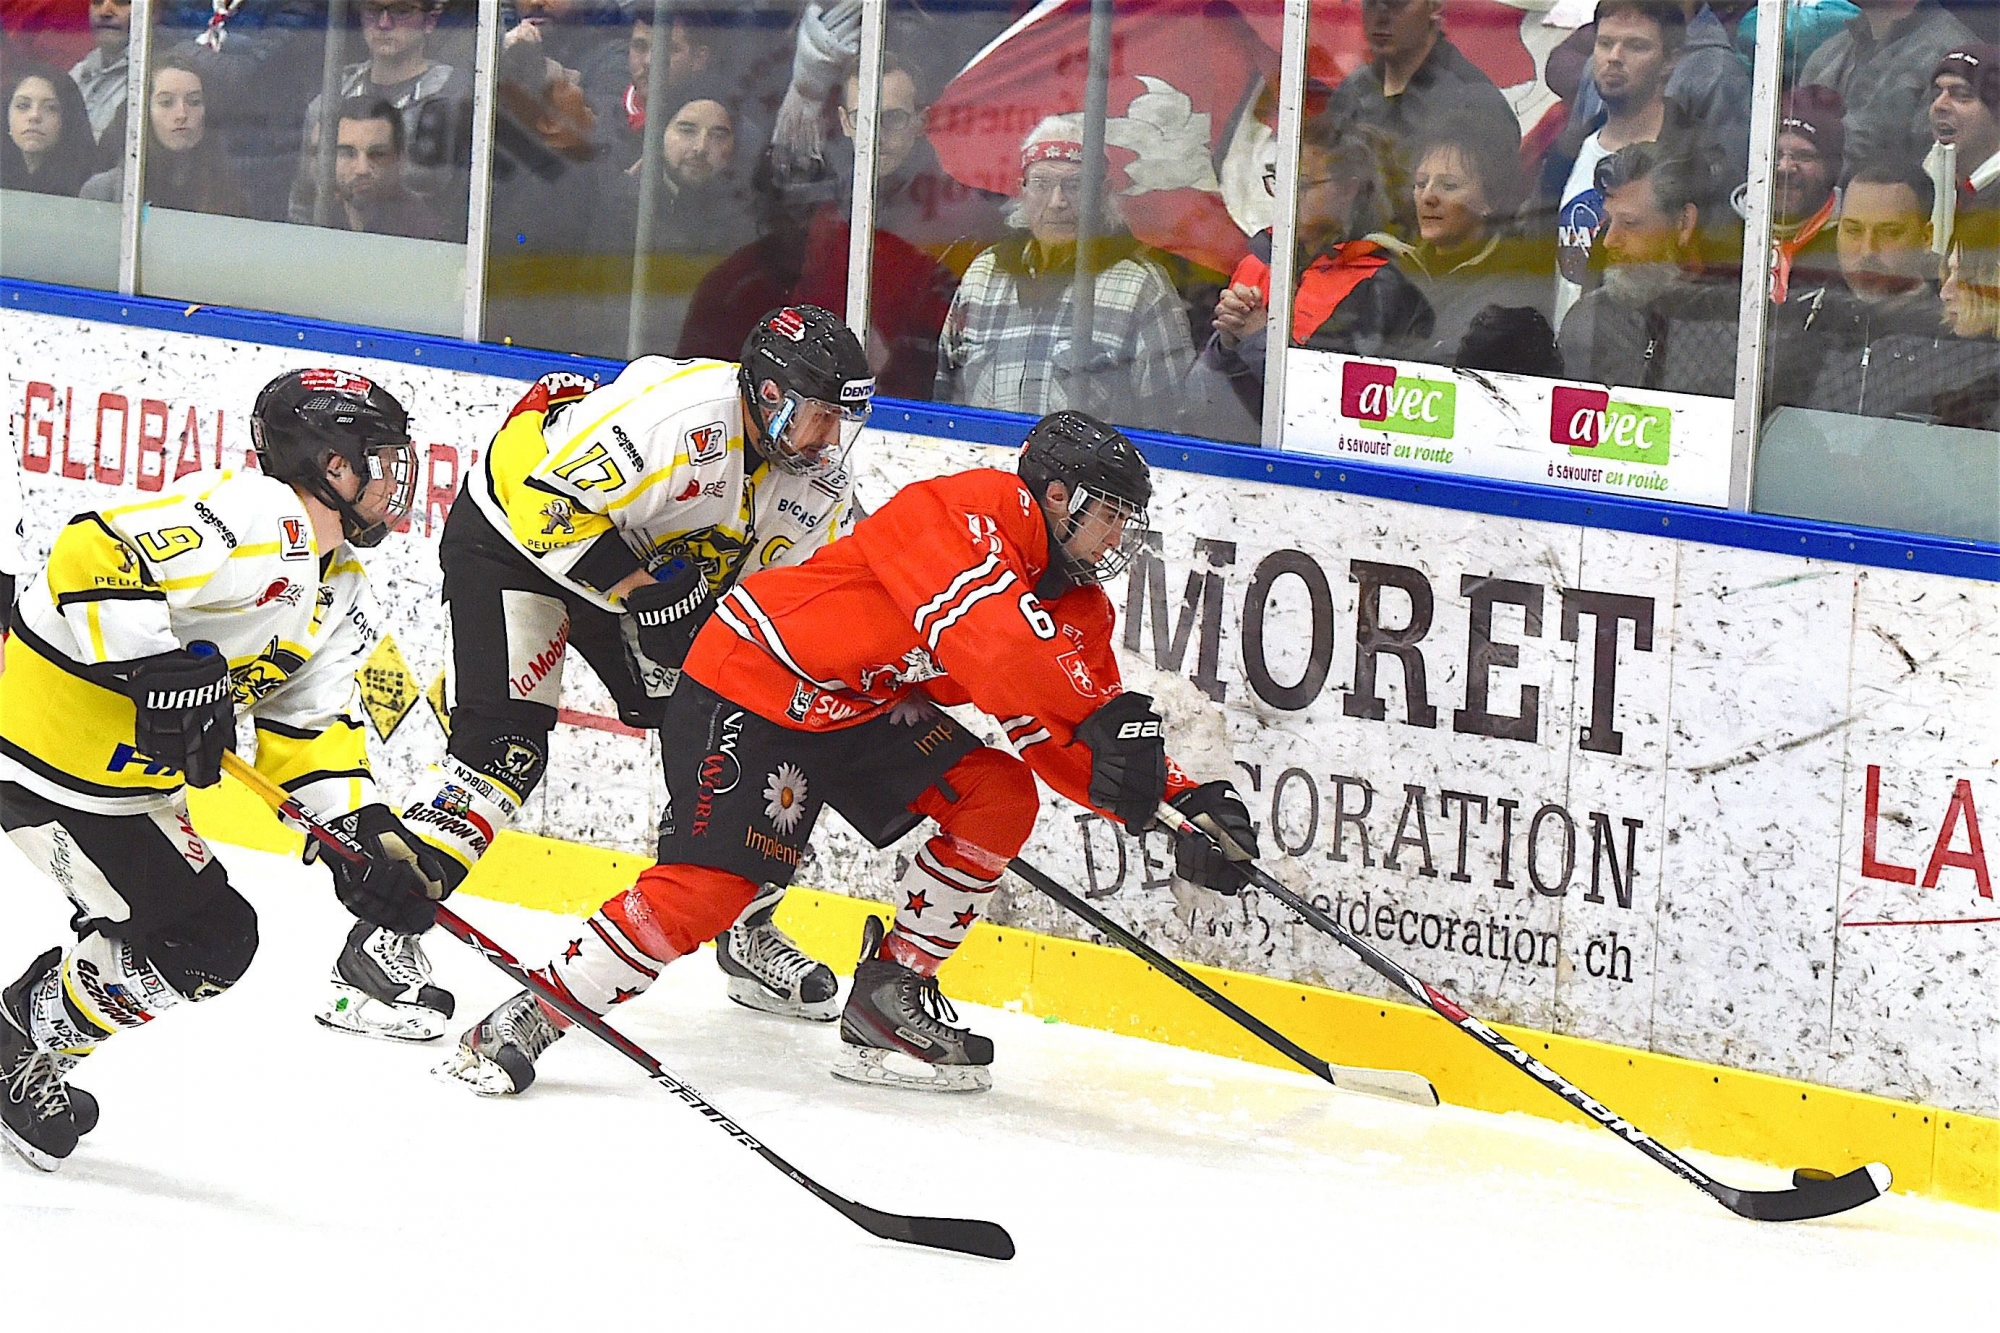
(1183, 72)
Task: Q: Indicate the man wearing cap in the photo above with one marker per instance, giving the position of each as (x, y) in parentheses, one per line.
(1881, 66)
(1006, 342)
(1805, 200)
(1965, 92)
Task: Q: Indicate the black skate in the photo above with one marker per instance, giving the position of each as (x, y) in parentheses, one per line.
(35, 1114)
(897, 1030)
(382, 988)
(767, 971)
(496, 1056)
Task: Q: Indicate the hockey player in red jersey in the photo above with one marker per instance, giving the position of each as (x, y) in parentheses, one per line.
(821, 683)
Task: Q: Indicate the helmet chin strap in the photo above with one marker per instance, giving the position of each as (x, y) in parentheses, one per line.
(1060, 576)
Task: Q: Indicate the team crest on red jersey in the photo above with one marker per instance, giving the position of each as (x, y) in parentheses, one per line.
(1078, 672)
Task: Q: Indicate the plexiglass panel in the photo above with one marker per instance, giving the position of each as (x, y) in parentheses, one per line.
(62, 82)
(309, 159)
(1518, 255)
(1882, 368)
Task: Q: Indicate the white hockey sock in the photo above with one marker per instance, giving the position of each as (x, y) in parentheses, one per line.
(459, 811)
(936, 905)
(601, 966)
(98, 989)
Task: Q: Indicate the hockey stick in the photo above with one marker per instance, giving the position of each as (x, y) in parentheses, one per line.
(1395, 1084)
(1813, 1193)
(966, 1236)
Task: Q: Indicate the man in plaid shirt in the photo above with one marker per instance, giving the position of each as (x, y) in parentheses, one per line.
(1006, 341)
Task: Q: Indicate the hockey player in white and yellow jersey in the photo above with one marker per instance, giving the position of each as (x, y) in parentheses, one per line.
(132, 650)
(608, 520)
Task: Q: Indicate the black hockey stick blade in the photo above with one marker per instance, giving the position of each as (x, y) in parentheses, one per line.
(983, 1239)
(987, 1240)
(1813, 1193)
(1398, 1085)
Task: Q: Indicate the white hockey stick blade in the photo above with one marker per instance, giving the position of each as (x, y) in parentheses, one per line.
(1396, 1085)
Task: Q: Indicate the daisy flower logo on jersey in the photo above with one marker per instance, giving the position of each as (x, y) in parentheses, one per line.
(785, 797)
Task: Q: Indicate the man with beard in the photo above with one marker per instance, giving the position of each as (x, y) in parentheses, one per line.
(1636, 44)
(1659, 321)
(1805, 202)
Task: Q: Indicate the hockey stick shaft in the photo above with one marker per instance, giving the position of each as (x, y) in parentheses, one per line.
(967, 1236)
(1809, 1197)
(1395, 1084)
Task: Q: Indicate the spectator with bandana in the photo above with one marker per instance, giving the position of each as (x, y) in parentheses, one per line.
(1006, 342)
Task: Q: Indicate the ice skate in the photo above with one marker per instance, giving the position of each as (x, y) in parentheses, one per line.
(767, 971)
(382, 988)
(496, 1056)
(896, 1030)
(35, 1114)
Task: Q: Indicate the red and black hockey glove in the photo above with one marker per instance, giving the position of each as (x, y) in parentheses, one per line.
(1214, 807)
(1128, 759)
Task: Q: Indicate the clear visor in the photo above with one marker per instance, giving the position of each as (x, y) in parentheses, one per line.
(390, 492)
(811, 437)
(1105, 533)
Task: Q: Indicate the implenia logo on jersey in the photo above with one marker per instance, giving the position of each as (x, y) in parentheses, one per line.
(1590, 425)
(1399, 403)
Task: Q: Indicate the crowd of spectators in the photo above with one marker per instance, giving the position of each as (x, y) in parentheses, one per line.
(1604, 244)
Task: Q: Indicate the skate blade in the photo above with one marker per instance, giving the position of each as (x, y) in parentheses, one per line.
(33, 1156)
(754, 995)
(356, 1011)
(893, 1069)
(468, 1068)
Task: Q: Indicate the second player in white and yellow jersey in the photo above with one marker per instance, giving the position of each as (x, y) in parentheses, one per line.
(609, 520)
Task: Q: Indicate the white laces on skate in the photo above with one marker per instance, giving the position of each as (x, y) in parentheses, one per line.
(37, 1082)
(401, 957)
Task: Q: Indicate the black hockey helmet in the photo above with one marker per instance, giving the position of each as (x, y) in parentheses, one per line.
(823, 389)
(305, 416)
(1093, 461)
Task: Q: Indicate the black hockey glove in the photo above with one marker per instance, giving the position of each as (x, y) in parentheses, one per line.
(1214, 807)
(665, 615)
(186, 711)
(1128, 759)
(399, 886)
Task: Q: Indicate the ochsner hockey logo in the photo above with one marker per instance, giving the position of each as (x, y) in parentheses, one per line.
(1397, 402)
(1589, 424)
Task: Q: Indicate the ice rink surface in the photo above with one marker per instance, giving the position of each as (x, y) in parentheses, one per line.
(254, 1170)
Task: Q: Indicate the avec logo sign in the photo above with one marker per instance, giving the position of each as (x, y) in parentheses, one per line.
(1588, 423)
(1395, 402)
